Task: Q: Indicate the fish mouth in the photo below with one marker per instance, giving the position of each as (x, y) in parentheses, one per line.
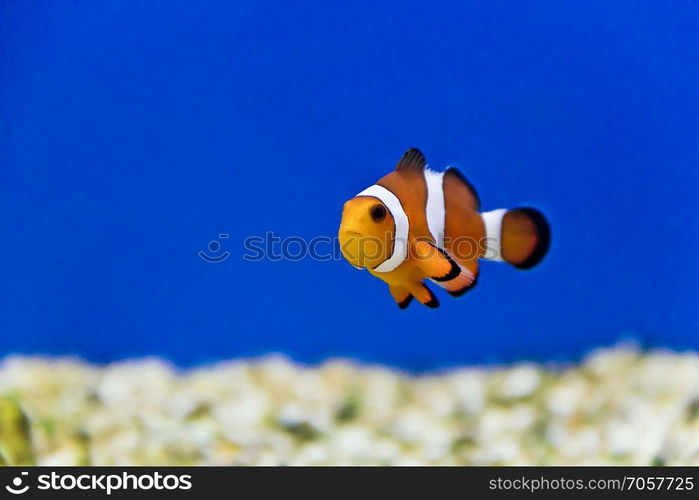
(349, 233)
(350, 246)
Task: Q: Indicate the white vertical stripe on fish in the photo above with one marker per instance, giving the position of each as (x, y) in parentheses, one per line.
(434, 209)
(402, 226)
(493, 234)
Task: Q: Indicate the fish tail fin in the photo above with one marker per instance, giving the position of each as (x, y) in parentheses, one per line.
(520, 236)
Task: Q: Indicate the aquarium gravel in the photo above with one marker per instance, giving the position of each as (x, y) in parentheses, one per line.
(618, 406)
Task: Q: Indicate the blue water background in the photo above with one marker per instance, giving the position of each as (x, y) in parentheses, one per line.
(134, 133)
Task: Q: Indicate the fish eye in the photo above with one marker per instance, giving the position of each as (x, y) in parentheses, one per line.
(378, 213)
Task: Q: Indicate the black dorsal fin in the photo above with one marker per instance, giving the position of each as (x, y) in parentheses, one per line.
(412, 160)
(453, 174)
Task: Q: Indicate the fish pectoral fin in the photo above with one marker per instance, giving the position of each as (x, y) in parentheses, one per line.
(401, 295)
(434, 262)
(423, 294)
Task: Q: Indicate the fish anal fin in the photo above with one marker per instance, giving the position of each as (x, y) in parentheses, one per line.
(458, 292)
(434, 262)
(465, 281)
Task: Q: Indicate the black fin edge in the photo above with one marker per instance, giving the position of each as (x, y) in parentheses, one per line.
(459, 293)
(412, 159)
(405, 302)
(433, 303)
(468, 184)
(544, 230)
(453, 272)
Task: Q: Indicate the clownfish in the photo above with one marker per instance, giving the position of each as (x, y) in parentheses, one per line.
(415, 224)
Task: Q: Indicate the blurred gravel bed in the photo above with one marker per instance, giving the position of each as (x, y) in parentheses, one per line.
(619, 406)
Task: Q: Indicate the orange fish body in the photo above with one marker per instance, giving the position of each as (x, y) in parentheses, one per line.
(415, 224)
